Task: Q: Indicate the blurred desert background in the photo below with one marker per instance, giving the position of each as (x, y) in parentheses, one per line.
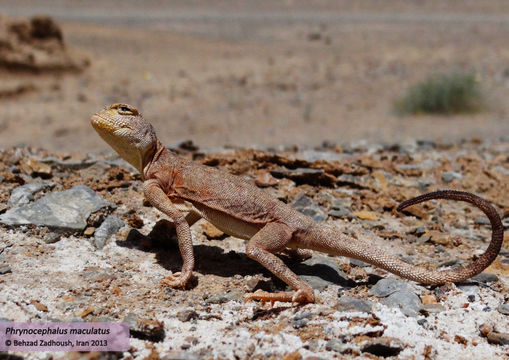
(257, 73)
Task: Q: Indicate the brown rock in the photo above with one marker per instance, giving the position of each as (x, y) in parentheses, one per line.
(366, 215)
(265, 179)
(33, 167)
(135, 221)
(498, 338)
(428, 299)
(38, 305)
(381, 178)
(293, 356)
(211, 231)
(486, 329)
(439, 238)
(89, 231)
(460, 340)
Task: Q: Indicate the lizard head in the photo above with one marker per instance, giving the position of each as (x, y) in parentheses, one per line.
(125, 130)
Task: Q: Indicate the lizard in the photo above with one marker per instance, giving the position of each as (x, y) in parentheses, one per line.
(185, 191)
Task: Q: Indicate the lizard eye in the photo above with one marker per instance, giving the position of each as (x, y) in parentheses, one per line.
(124, 109)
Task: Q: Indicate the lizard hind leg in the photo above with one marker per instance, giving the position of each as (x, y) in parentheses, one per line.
(273, 238)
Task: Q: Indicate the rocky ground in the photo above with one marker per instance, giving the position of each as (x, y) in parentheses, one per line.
(79, 243)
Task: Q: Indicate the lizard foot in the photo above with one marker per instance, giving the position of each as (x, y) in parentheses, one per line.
(175, 280)
(302, 296)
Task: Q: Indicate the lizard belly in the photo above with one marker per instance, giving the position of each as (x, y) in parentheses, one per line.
(227, 223)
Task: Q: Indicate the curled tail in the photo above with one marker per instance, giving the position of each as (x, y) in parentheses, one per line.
(366, 252)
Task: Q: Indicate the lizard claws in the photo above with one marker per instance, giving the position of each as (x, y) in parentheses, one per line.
(175, 280)
(300, 296)
(257, 295)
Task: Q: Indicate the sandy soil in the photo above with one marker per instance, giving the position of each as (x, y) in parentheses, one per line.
(264, 74)
(49, 274)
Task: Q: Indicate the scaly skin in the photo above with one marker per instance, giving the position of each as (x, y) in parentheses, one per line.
(177, 186)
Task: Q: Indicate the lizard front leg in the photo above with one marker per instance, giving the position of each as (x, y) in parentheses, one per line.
(157, 197)
(273, 238)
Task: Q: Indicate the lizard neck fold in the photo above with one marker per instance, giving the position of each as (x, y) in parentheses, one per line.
(151, 157)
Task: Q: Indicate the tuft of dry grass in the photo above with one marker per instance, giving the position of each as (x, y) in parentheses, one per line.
(450, 93)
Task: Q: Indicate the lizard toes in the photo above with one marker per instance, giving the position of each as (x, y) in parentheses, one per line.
(302, 296)
(257, 295)
(174, 280)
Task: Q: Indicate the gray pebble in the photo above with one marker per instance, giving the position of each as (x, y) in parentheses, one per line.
(307, 206)
(336, 345)
(312, 345)
(63, 210)
(503, 309)
(301, 320)
(485, 277)
(481, 220)
(361, 182)
(145, 329)
(439, 249)
(341, 214)
(296, 172)
(424, 183)
(406, 301)
(449, 176)
(5, 269)
(304, 315)
(52, 238)
(423, 322)
(300, 323)
(186, 315)
(72, 165)
(469, 289)
(447, 263)
(216, 299)
(23, 194)
(349, 304)
(359, 263)
(421, 230)
(427, 164)
(14, 169)
(223, 298)
(432, 309)
(388, 286)
(109, 227)
(314, 155)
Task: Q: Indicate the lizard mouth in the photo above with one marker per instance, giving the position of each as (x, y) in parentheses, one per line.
(101, 123)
